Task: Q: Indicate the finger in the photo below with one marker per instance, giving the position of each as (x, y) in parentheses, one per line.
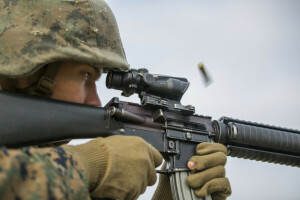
(216, 186)
(208, 161)
(198, 179)
(157, 157)
(191, 165)
(151, 176)
(208, 148)
(164, 165)
(156, 161)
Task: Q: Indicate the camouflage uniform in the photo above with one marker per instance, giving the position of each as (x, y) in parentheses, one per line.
(48, 173)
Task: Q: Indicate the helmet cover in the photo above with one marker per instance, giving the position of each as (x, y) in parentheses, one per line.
(35, 33)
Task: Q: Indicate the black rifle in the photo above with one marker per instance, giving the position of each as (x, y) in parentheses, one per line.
(172, 128)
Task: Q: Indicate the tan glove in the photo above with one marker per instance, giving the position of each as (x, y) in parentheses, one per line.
(119, 167)
(210, 159)
(209, 176)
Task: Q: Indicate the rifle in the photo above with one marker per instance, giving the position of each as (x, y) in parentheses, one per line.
(172, 128)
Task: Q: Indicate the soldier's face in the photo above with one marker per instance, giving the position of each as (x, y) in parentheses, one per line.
(76, 82)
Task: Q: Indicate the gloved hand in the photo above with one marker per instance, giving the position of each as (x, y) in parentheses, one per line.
(119, 167)
(209, 176)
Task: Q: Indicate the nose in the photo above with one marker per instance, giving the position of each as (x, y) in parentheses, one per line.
(92, 97)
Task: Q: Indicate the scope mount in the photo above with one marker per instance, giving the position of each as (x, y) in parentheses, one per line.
(156, 102)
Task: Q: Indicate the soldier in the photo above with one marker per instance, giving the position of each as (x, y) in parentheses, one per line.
(58, 49)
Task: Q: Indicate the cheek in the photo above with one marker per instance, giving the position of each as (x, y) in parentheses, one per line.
(68, 90)
(92, 97)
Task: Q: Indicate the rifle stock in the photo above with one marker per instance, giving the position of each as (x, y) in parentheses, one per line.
(27, 120)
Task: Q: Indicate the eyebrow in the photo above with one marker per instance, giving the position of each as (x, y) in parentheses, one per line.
(98, 69)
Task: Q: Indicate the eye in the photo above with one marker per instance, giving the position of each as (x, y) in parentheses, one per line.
(87, 75)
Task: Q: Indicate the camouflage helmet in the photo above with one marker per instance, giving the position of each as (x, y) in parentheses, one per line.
(35, 33)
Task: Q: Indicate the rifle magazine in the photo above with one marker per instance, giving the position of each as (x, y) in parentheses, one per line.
(180, 190)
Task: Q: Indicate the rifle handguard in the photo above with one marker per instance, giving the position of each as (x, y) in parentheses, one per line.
(259, 142)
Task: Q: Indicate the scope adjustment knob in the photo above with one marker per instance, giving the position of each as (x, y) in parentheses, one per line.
(143, 70)
(148, 79)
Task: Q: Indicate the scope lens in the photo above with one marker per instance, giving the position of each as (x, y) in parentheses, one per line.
(108, 80)
(114, 80)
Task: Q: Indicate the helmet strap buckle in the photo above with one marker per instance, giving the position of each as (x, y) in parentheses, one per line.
(45, 85)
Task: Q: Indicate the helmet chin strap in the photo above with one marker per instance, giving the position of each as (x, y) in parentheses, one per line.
(45, 85)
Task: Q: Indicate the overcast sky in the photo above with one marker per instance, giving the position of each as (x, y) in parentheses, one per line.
(250, 48)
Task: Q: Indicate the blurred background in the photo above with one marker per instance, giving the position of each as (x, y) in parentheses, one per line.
(250, 49)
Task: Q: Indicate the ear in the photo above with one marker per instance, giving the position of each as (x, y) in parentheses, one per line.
(23, 82)
(8, 84)
(11, 84)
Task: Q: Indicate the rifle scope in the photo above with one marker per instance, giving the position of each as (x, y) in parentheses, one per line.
(138, 81)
